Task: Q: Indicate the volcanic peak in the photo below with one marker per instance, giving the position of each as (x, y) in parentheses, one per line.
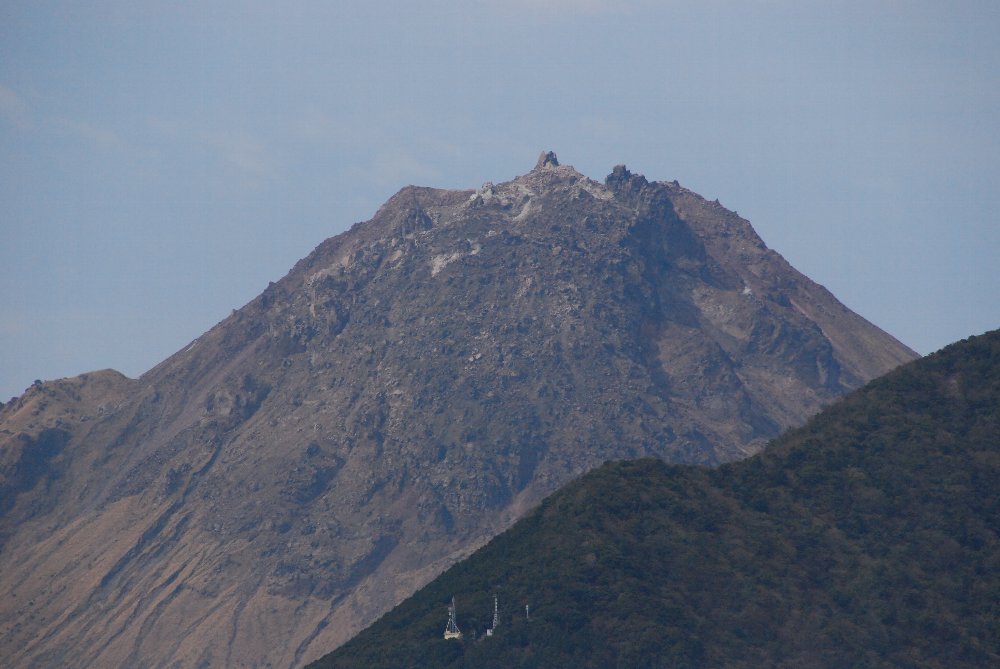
(405, 392)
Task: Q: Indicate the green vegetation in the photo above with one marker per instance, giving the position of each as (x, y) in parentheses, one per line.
(870, 537)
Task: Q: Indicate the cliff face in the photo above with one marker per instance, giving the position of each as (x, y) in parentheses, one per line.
(404, 393)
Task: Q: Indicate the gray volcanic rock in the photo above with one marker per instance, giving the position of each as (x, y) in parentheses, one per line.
(403, 394)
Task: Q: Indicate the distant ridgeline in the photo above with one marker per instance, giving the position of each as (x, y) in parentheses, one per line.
(867, 538)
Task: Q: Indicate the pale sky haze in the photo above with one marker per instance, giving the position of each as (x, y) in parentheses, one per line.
(160, 162)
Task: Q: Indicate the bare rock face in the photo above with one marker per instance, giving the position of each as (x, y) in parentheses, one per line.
(403, 394)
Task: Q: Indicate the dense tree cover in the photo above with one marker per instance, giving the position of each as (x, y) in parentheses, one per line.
(870, 537)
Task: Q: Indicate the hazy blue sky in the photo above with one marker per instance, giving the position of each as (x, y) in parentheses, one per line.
(160, 162)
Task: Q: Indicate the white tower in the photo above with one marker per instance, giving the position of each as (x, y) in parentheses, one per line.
(496, 618)
(451, 631)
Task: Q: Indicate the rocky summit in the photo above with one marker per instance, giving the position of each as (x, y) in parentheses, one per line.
(406, 392)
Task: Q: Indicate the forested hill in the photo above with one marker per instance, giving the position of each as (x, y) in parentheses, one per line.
(867, 538)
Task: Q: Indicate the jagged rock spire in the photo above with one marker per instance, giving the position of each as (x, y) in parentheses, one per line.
(547, 159)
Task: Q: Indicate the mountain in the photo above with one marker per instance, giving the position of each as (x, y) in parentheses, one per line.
(406, 392)
(870, 537)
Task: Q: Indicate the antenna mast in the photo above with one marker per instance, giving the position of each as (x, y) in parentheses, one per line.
(451, 630)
